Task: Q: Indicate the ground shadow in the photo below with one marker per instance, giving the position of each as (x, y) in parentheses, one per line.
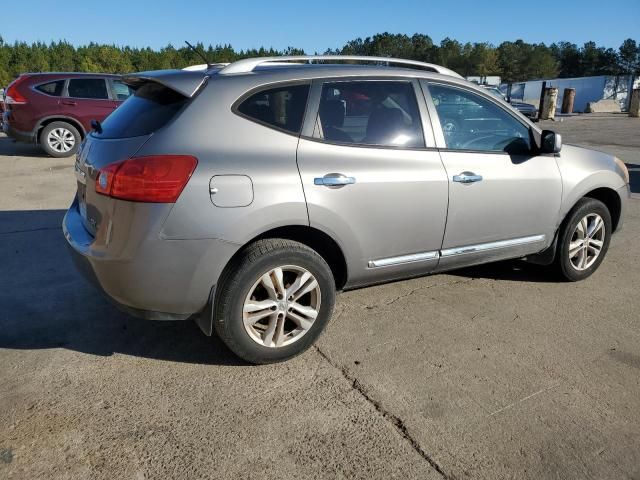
(510, 270)
(11, 148)
(45, 303)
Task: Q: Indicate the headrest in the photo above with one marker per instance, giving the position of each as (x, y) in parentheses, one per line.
(384, 123)
(332, 113)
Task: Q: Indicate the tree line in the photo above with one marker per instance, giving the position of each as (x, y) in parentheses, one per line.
(513, 61)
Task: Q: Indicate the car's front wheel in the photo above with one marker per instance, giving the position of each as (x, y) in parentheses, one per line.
(60, 139)
(274, 301)
(584, 239)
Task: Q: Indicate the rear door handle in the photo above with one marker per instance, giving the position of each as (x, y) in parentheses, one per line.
(68, 102)
(334, 180)
(467, 177)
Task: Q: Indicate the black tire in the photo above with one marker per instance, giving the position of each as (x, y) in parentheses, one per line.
(563, 264)
(62, 126)
(238, 279)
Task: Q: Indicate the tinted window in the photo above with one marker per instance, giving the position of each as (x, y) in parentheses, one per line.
(281, 107)
(471, 122)
(370, 113)
(151, 107)
(52, 88)
(121, 90)
(88, 88)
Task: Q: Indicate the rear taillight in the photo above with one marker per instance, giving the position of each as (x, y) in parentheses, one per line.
(157, 178)
(12, 95)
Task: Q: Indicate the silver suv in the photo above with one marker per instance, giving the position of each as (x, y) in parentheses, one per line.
(244, 196)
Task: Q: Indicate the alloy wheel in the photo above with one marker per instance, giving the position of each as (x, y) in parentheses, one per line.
(281, 306)
(61, 140)
(587, 241)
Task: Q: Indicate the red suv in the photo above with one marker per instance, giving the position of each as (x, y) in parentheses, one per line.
(56, 109)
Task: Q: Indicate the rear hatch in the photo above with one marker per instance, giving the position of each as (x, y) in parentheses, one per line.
(158, 99)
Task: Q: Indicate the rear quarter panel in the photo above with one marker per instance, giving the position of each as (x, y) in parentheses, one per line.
(227, 144)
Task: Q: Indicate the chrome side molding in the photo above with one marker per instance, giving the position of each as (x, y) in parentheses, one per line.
(481, 247)
(450, 252)
(415, 257)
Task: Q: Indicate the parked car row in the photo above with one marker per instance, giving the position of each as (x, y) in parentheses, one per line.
(526, 109)
(244, 196)
(55, 110)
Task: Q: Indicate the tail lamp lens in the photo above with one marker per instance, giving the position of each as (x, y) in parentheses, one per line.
(154, 179)
(12, 95)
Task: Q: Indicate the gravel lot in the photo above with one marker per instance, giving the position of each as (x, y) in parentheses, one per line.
(492, 372)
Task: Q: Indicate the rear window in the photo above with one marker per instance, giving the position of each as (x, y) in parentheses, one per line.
(150, 108)
(52, 88)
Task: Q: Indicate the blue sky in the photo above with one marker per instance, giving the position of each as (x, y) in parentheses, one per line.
(317, 25)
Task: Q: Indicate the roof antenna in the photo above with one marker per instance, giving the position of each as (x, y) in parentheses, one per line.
(200, 54)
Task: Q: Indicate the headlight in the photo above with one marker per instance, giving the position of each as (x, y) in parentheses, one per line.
(623, 167)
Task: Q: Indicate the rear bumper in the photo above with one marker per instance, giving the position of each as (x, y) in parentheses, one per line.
(19, 135)
(160, 280)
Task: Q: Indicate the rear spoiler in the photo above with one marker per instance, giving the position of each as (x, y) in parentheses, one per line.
(184, 82)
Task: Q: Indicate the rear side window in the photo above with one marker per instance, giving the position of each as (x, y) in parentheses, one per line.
(151, 107)
(381, 113)
(121, 90)
(88, 88)
(281, 107)
(52, 88)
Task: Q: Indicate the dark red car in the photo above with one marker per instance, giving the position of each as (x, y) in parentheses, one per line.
(55, 110)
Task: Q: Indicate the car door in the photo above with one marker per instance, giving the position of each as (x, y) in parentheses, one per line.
(504, 198)
(87, 99)
(372, 177)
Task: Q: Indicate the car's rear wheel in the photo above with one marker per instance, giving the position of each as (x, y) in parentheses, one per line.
(584, 239)
(274, 301)
(60, 139)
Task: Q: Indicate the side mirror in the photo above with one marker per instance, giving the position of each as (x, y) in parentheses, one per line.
(551, 142)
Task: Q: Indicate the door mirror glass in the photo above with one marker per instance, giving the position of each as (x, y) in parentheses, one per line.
(551, 142)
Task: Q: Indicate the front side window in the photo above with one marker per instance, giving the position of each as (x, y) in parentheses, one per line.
(281, 107)
(88, 88)
(381, 113)
(52, 88)
(471, 122)
(121, 90)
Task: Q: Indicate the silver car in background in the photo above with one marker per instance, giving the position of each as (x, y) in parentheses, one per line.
(244, 196)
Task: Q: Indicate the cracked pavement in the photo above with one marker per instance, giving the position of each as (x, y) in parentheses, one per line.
(491, 372)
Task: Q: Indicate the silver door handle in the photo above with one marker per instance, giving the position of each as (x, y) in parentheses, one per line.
(334, 180)
(467, 177)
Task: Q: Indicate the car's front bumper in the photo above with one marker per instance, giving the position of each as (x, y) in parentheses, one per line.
(162, 279)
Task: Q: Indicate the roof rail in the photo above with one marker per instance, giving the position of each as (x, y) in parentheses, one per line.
(249, 64)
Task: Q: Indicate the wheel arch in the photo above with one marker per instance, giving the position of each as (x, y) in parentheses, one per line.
(315, 239)
(59, 118)
(312, 237)
(606, 195)
(612, 201)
